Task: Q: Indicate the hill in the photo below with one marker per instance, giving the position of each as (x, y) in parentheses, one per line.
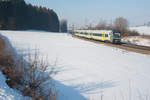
(88, 71)
(142, 29)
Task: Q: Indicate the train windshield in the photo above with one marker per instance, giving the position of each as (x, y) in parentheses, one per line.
(117, 33)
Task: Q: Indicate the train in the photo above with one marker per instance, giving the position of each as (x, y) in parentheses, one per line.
(112, 36)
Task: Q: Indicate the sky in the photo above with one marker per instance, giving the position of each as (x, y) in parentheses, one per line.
(86, 12)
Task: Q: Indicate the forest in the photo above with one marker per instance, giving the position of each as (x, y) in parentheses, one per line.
(18, 15)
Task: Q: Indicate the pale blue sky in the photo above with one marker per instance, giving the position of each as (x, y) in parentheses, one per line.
(82, 12)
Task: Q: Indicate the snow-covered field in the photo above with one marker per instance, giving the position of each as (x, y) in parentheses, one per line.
(88, 71)
(142, 29)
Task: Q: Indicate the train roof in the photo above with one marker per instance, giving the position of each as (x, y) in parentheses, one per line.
(94, 31)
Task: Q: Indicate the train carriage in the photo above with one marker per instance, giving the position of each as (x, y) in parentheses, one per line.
(113, 36)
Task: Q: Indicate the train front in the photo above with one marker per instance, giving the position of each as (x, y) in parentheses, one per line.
(117, 36)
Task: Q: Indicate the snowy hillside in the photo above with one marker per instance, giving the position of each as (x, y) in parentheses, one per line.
(142, 29)
(88, 71)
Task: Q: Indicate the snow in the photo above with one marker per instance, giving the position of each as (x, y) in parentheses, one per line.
(88, 71)
(7, 93)
(138, 40)
(142, 29)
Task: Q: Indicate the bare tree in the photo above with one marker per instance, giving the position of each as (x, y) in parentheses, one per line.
(63, 25)
(110, 25)
(101, 25)
(121, 24)
(148, 24)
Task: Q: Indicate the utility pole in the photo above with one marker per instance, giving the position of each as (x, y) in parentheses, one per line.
(72, 28)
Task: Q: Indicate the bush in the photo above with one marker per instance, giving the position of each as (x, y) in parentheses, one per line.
(36, 80)
(131, 33)
(29, 77)
(145, 36)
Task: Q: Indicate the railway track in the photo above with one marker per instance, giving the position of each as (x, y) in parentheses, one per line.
(125, 46)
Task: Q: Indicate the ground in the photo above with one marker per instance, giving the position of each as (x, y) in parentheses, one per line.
(88, 71)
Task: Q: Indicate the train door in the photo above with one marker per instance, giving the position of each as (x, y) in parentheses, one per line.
(106, 37)
(103, 38)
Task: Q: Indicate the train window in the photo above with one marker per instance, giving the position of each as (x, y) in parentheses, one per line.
(97, 34)
(86, 33)
(116, 31)
(106, 35)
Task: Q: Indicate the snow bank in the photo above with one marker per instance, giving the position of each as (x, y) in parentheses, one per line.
(7, 93)
(138, 40)
(88, 71)
(142, 29)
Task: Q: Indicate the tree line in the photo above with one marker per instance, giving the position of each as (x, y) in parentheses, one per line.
(119, 23)
(17, 15)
